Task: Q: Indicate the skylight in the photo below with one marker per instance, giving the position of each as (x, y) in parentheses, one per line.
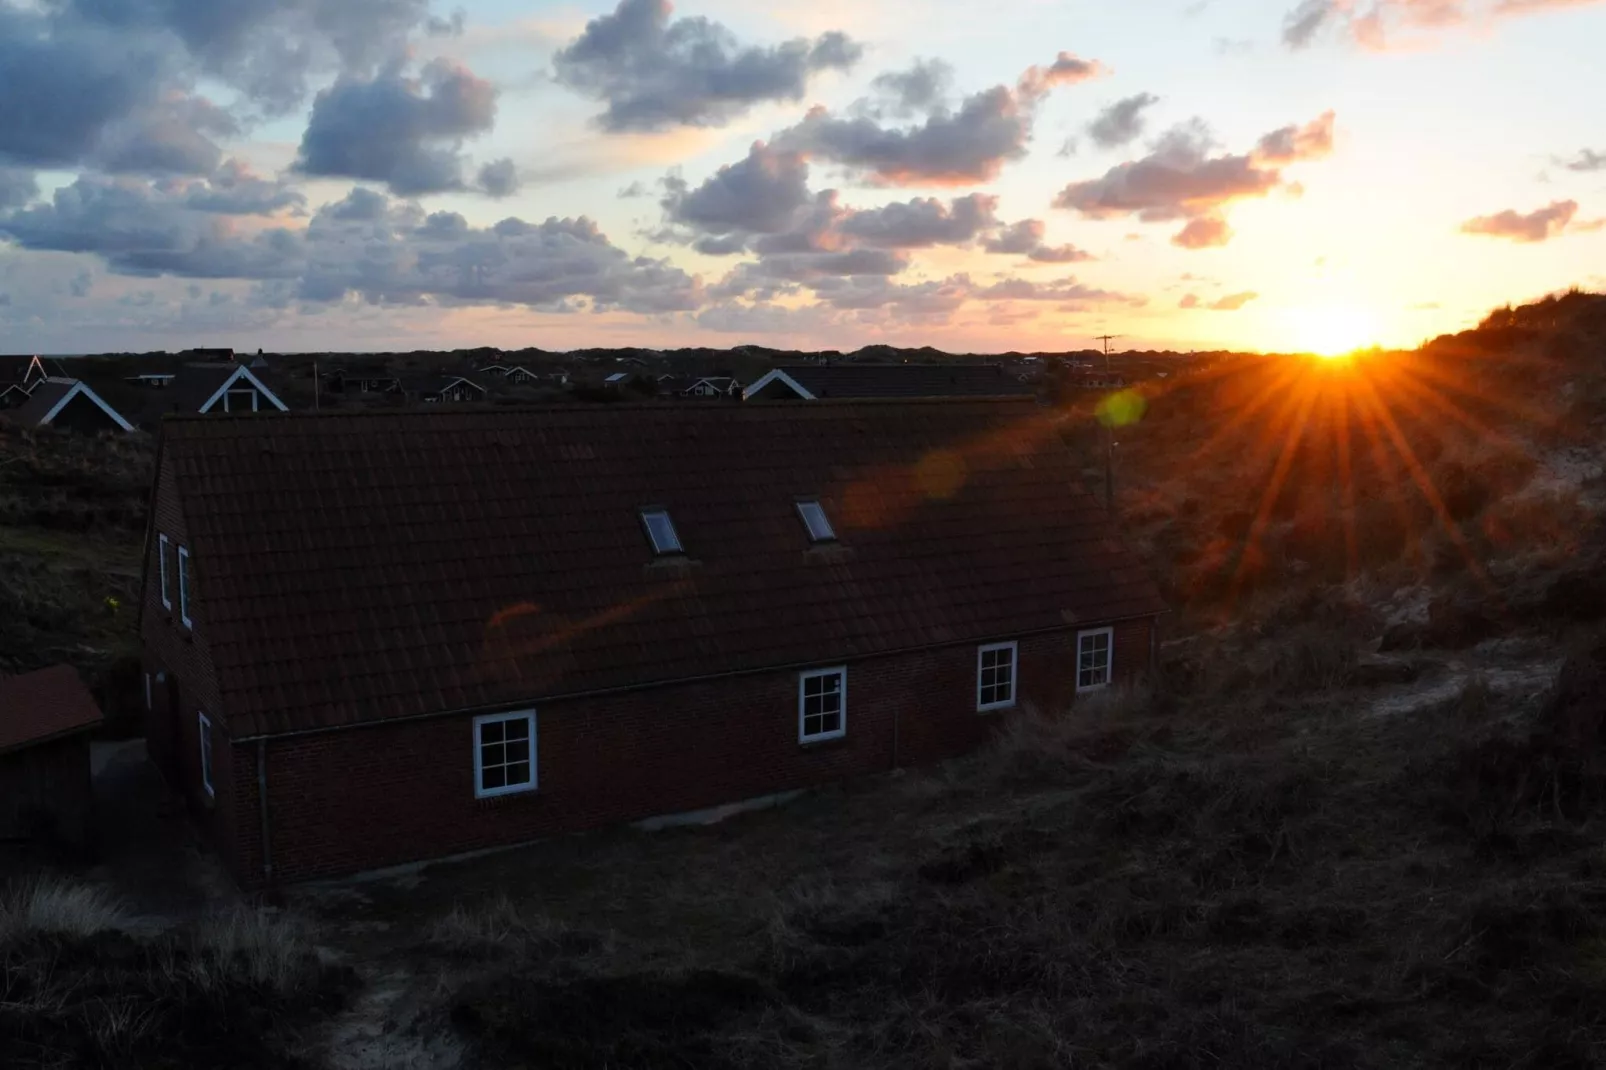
(661, 530)
(815, 520)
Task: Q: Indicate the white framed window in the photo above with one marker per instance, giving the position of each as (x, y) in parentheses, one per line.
(661, 530)
(161, 559)
(822, 704)
(204, 725)
(815, 520)
(995, 676)
(184, 586)
(240, 399)
(1094, 657)
(504, 753)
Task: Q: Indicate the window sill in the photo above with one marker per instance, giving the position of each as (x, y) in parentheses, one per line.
(826, 743)
(507, 798)
(1002, 708)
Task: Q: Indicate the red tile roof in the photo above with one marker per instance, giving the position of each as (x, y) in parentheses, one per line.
(353, 568)
(42, 705)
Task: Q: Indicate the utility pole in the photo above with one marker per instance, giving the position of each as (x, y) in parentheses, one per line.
(1106, 339)
(314, 384)
(1109, 436)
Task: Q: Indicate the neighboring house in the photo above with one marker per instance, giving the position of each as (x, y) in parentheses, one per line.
(498, 370)
(713, 387)
(437, 389)
(1091, 380)
(26, 371)
(217, 388)
(363, 378)
(151, 380)
(617, 379)
(522, 376)
(209, 354)
(69, 404)
(45, 721)
(811, 382)
(405, 634)
(12, 395)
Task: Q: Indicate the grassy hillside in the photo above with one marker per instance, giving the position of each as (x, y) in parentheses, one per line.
(72, 517)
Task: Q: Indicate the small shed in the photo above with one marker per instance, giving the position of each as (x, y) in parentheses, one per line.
(46, 718)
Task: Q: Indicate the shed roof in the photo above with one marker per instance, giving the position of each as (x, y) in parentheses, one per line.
(44, 705)
(359, 567)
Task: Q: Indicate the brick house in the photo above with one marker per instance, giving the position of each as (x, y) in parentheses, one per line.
(380, 637)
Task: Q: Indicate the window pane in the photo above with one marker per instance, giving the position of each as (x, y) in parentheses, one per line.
(662, 532)
(830, 685)
(815, 520)
(518, 728)
(518, 773)
(491, 754)
(831, 722)
(493, 776)
(491, 732)
(517, 751)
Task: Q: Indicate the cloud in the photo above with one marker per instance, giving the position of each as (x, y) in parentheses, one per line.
(1206, 232)
(1377, 24)
(654, 73)
(1233, 302)
(1065, 290)
(1121, 122)
(405, 132)
(17, 187)
(1189, 301)
(920, 90)
(923, 222)
(966, 146)
(112, 84)
(383, 251)
(1586, 161)
(1291, 144)
(1536, 226)
(1060, 254)
(235, 190)
(1180, 179)
(759, 194)
(499, 178)
(1025, 238)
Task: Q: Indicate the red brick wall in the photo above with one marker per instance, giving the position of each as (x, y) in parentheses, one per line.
(182, 654)
(346, 801)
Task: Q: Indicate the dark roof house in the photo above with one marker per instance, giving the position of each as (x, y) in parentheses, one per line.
(547, 619)
(69, 404)
(811, 382)
(437, 389)
(218, 387)
(45, 721)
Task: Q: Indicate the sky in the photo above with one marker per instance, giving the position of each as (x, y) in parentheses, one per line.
(1271, 175)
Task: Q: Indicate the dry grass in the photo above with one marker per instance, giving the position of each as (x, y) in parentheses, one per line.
(77, 989)
(50, 906)
(1149, 879)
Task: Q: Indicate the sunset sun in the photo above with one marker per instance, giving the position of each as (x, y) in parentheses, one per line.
(1333, 330)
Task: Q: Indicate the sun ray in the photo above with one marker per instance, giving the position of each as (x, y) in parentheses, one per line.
(1420, 476)
(1291, 441)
